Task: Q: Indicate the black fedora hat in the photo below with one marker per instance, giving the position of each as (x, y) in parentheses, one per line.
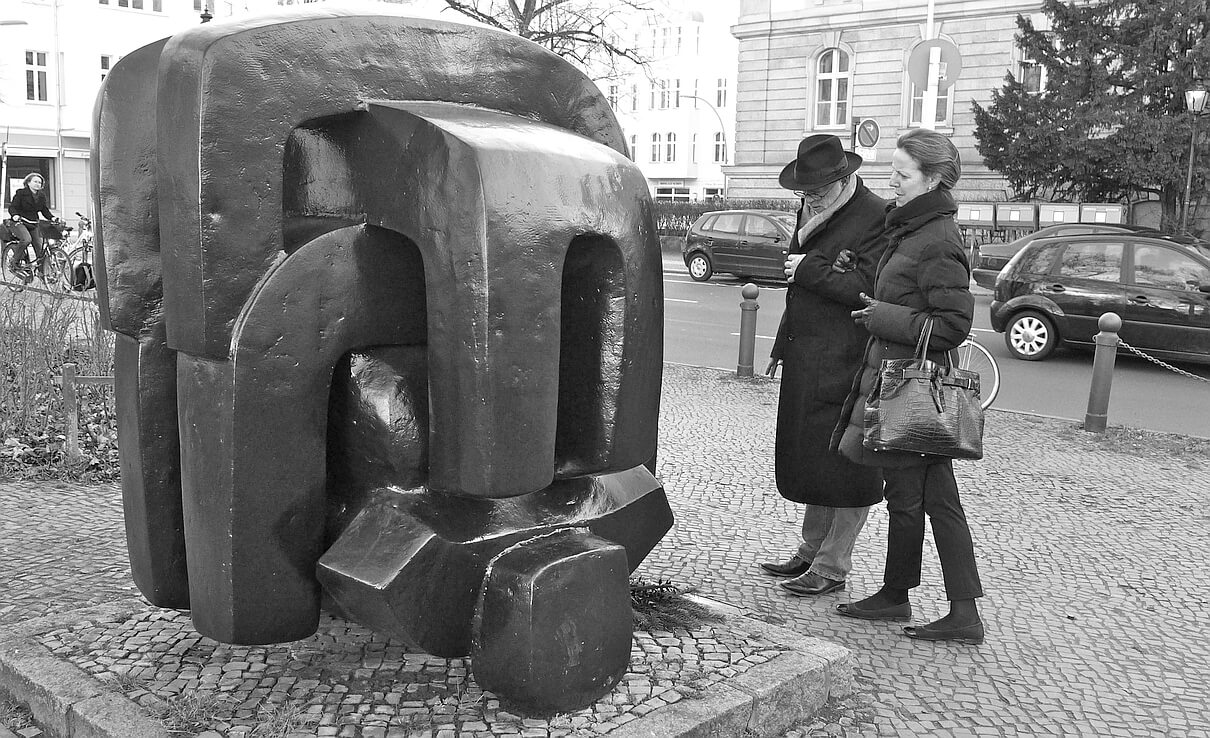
(821, 161)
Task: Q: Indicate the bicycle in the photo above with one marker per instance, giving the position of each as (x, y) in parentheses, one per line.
(18, 270)
(973, 356)
(77, 270)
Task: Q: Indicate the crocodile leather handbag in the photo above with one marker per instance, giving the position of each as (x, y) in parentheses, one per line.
(921, 406)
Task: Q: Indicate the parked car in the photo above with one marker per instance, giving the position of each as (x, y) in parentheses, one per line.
(990, 258)
(746, 243)
(1055, 289)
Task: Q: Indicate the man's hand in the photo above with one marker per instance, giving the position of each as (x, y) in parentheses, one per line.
(771, 370)
(791, 264)
(846, 261)
(862, 317)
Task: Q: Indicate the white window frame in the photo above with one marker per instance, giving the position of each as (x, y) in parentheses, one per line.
(37, 76)
(670, 146)
(657, 142)
(720, 148)
(720, 93)
(838, 110)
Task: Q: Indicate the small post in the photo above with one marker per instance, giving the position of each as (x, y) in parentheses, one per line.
(747, 330)
(1103, 360)
(72, 433)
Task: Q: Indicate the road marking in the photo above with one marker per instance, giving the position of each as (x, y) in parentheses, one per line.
(673, 299)
(767, 338)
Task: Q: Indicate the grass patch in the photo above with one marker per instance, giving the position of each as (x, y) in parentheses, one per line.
(190, 713)
(1142, 443)
(278, 720)
(14, 715)
(663, 606)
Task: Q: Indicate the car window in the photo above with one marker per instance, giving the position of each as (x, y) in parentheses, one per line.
(1096, 260)
(1156, 266)
(728, 223)
(755, 225)
(707, 223)
(787, 219)
(1040, 258)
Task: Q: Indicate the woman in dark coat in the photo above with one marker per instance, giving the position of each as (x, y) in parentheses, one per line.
(27, 204)
(832, 259)
(923, 274)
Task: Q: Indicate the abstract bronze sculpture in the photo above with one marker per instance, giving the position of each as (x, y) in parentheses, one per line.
(389, 313)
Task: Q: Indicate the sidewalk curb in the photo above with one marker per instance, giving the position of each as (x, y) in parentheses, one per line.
(765, 700)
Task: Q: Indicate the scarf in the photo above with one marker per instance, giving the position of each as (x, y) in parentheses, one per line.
(818, 219)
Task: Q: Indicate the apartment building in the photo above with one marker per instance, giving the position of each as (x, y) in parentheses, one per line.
(53, 56)
(827, 66)
(678, 111)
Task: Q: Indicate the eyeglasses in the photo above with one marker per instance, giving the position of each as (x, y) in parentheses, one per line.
(813, 194)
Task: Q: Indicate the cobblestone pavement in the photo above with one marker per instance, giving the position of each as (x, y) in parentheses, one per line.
(1094, 560)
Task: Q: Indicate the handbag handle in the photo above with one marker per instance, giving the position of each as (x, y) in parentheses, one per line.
(922, 343)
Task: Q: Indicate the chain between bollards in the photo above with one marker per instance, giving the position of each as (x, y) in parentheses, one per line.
(747, 330)
(1103, 360)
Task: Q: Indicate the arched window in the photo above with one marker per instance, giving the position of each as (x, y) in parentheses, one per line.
(656, 140)
(832, 89)
(671, 147)
(720, 148)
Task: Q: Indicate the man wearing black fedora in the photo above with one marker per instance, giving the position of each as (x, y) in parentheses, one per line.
(832, 260)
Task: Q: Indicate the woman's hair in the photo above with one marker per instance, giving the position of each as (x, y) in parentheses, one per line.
(934, 154)
(29, 177)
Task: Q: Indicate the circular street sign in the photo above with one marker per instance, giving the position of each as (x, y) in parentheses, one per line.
(951, 63)
(867, 133)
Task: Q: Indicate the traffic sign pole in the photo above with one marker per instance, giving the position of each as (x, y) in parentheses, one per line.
(928, 112)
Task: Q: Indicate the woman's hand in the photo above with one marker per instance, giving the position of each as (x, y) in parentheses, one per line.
(791, 264)
(771, 370)
(862, 317)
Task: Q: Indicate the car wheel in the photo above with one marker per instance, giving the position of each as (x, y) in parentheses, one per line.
(700, 268)
(1030, 336)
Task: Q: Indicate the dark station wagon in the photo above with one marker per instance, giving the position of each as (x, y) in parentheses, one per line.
(746, 243)
(1055, 289)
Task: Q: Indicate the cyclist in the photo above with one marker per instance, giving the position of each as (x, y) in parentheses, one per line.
(27, 205)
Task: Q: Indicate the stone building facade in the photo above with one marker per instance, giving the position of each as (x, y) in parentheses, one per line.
(818, 66)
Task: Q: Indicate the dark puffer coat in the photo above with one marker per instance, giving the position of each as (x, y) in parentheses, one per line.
(924, 273)
(820, 347)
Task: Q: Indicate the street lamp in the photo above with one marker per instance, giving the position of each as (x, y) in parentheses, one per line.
(1195, 103)
(206, 15)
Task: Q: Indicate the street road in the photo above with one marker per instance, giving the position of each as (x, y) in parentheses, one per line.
(701, 328)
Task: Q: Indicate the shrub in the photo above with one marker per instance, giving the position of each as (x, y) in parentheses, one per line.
(38, 334)
(674, 218)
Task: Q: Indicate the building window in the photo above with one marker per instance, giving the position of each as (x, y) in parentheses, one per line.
(671, 147)
(197, 4)
(156, 6)
(35, 76)
(665, 94)
(720, 147)
(672, 194)
(106, 64)
(712, 193)
(1031, 75)
(634, 97)
(832, 89)
(634, 144)
(943, 106)
(720, 97)
(656, 141)
(613, 97)
(693, 149)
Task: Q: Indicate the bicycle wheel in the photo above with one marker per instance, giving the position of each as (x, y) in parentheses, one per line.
(55, 267)
(973, 356)
(13, 280)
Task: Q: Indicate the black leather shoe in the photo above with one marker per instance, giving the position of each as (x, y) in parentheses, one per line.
(900, 612)
(970, 634)
(792, 568)
(812, 584)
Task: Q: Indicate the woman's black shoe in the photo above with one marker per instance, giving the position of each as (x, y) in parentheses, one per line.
(970, 634)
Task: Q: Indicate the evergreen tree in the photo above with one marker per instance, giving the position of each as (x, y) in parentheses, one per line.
(1110, 123)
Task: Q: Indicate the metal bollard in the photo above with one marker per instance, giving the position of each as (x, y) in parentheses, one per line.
(747, 330)
(72, 431)
(1103, 360)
